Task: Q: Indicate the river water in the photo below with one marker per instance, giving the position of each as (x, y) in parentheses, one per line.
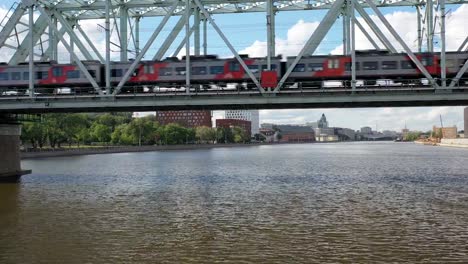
(310, 203)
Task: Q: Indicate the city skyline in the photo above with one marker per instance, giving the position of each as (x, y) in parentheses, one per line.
(385, 118)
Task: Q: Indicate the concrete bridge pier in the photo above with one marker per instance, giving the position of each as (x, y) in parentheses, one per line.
(10, 160)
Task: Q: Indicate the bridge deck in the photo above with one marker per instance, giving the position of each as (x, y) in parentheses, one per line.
(414, 96)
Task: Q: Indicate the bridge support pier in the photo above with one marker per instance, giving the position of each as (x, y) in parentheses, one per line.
(10, 161)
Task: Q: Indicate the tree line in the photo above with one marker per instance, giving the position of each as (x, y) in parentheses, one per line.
(57, 130)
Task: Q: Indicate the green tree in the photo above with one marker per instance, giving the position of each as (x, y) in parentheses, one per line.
(54, 129)
(220, 135)
(175, 134)
(239, 135)
(35, 133)
(142, 130)
(412, 136)
(83, 136)
(205, 134)
(101, 133)
(72, 125)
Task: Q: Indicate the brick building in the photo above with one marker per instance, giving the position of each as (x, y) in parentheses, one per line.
(447, 132)
(192, 118)
(228, 123)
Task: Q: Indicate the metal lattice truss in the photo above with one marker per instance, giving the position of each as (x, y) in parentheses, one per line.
(94, 9)
(37, 26)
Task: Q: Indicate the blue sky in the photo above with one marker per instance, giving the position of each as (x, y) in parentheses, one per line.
(248, 31)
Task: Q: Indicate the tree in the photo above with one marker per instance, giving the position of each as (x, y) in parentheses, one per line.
(55, 133)
(72, 125)
(220, 135)
(141, 130)
(35, 133)
(175, 134)
(101, 133)
(205, 134)
(412, 136)
(239, 135)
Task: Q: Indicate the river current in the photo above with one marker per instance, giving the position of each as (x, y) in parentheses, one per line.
(309, 203)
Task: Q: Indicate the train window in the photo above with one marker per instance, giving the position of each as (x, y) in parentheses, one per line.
(73, 74)
(149, 69)
(25, 76)
(300, 67)
(116, 72)
(427, 61)
(4, 76)
(92, 73)
(216, 69)
(166, 71)
(333, 64)
(370, 65)
(265, 67)
(180, 70)
(348, 66)
(42, 75)
(315, 67)
(16, 76)
(408, 65)
(234, 66)
(198, 70)
(253, 68)
(389, 65)
(57, 71)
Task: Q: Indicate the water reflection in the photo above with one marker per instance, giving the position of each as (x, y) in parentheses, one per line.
(271, 204)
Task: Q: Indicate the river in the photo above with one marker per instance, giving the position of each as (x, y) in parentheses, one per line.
(309, 203)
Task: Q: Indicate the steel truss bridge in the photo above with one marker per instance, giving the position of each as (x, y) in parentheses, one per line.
(32, 29)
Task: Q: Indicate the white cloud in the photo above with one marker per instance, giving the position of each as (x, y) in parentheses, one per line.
(406, 26)
(297, 35)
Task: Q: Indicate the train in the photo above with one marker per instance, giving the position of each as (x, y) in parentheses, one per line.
(210, 70)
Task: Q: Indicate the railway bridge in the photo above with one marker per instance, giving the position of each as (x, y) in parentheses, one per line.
(31, 31)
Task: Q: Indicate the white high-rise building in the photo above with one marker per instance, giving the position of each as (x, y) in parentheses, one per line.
(249, 115)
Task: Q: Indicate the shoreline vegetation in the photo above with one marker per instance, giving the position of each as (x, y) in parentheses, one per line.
(59, 131)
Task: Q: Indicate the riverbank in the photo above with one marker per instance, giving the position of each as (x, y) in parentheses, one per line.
(124, 149)
(456, 142)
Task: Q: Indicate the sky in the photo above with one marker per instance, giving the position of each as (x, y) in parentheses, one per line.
(247, 33)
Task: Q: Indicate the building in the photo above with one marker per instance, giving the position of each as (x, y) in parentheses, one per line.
(326, 138)
(321, 123)
(192, 118)
(366, 130)
(447, 132)
(269, 134)
(326, 134)
(325, 131)
(295, 133)
(345, 134)
(230, 123)
(266, 126)
(465, 117)
(249, 115)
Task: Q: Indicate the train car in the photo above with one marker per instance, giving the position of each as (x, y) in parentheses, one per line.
(372, 66)
(48, 76)
(205, 70)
